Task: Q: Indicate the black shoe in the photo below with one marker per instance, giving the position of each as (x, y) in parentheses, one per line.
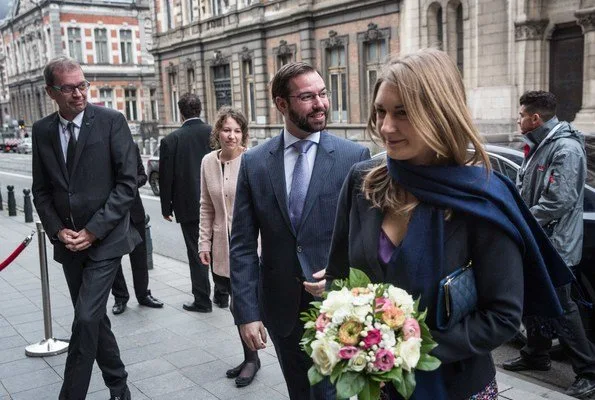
(119, 307)
(125, 395)
(234, 372)
(526, 364)
(581, 388)
(150, 301)
(242, 381)
(195, 307)
(221, 303)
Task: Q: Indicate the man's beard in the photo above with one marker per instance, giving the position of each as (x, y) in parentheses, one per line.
(302, 122)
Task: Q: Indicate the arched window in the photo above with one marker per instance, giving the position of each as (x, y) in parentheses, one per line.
(455, 34)
(435, 30)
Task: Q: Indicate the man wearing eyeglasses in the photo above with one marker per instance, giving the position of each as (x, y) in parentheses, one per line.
(84, 182)
(287, 192)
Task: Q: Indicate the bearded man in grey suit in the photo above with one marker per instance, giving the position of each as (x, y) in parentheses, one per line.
(287, 192)
(84, 182)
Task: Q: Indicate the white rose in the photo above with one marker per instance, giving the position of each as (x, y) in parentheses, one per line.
(341, 315)
(389, 339)
(363, 299)
(401, 299)
(409, 352)
(325, 355)
(336, 300)
(362, 312)
(358, 362)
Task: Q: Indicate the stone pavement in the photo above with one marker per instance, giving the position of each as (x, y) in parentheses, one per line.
(169, 353)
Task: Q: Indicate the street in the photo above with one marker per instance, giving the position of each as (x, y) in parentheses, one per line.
(15, 169)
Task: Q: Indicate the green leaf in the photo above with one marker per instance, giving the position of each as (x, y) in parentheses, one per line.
(371, 391)
(336, 374)
(408, 385)
(314, 376)
(350, 384)
(338, 284)
(358, 278)
(428, 363)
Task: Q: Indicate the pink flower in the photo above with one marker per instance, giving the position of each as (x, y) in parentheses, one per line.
(411, 329)
(382, 303)
(385, 360)
(347, 352)
(374, 337)
(321, 322)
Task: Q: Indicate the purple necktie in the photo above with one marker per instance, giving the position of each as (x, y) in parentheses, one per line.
(300, 182)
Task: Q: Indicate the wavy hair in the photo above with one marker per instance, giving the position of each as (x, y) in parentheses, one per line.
(433, 95)
(224, 113)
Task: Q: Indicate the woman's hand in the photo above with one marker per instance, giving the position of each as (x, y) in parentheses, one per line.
(205, 257)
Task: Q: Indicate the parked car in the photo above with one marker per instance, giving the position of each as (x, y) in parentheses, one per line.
(153, 171)
(25, 146)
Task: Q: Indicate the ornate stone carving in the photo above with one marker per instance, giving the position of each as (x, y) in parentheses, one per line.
(586, 19)
(218, 58)
(283, 48)
(245, 54)
(189, 64)
(333, 40)
(171, 68)
(372, 33)
(530, 30)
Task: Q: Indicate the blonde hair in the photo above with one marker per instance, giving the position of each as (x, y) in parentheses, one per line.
(432, 92)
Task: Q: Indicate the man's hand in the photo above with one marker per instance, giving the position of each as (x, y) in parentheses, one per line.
(167, 217)
(254, 335)
(205, 257)
(66, 236)
(316, 289)
(82, 241)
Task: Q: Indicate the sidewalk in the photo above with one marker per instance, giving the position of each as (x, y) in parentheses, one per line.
(169, 353)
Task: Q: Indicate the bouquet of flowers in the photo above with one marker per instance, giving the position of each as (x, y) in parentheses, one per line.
(363, 334)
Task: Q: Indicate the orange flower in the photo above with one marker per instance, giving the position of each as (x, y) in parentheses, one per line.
(358, 290)
(393, 317)
(349, 332)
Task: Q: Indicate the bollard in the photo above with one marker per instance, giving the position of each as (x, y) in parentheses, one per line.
(12, 203)
(27, 206)
(49, 346)
(1, 205)
(148, 242)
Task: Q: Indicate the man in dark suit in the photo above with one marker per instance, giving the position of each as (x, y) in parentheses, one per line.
(287, 192)
(138, 257)
(84, 182)
(180, 155)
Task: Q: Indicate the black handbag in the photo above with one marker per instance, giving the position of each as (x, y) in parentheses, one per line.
(457, 297)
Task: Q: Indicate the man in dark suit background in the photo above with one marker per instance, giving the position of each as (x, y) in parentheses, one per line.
(138, 257)
(287, 192)
(180, 155)
(84, 182)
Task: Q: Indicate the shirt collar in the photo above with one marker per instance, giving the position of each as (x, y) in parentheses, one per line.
(289, 139)
(78, 120)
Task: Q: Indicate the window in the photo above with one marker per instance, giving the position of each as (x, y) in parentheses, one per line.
(101, 52)
(190, 10)
(153, 99)
(283, 59)
(249, 90)
(169, 14)
(435, 28)
(106, 97)
(222, 85)
(284, 53)
(337, 77)
(130, 103)
(173, 96)
(75, 48)
(190, 80)
(216, 7)
(376, 52)
(126, 46)
(460, 45)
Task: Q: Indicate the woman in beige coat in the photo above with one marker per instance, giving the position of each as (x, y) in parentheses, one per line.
(218, 177)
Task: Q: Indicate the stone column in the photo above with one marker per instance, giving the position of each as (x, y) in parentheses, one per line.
(585, 118)
(530, 50)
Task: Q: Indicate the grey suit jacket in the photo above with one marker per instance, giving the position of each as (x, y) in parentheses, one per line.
(287, 257)
(99, 193)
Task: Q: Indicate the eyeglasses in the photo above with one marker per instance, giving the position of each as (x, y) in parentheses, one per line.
(310, 97)
(68, 89)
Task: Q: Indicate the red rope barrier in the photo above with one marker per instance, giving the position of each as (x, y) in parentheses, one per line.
(16, 251)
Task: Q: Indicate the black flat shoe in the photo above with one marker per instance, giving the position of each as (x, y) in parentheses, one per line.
(150, 301)
(119, 307)
(526, 364)
(125, 395)
(234, 372)
(196, 308)
(242, 381)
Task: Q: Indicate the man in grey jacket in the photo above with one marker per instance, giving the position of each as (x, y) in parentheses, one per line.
(552, 183)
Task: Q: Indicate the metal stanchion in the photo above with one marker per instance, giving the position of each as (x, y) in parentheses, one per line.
(49, 346)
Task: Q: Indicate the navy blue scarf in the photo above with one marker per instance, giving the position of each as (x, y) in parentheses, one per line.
(492, 197)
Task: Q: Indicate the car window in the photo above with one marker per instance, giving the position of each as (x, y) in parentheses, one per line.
(495, 164)
(509, 171)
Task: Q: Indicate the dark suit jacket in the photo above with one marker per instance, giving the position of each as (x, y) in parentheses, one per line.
(497, 264)
(180, 155)
(137, 211)
(287, 257)
(101, 189)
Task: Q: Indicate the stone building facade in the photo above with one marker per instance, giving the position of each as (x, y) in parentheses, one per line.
(226, 51)
(109, 38)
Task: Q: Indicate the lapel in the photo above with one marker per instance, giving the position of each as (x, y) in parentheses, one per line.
(276, 167)
(323, 165)
(84, 132)
(371, 235)
(54, 131)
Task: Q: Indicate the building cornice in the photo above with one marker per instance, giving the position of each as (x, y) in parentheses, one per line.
(586, 19)
(530, 30)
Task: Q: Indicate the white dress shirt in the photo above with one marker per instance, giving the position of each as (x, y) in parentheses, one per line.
(65, 134)
(291, 156)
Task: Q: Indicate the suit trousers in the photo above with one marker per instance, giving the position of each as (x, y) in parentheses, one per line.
(140, 271)
(575, 343)
(89, 283)
(199, 274)
(295, 363)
